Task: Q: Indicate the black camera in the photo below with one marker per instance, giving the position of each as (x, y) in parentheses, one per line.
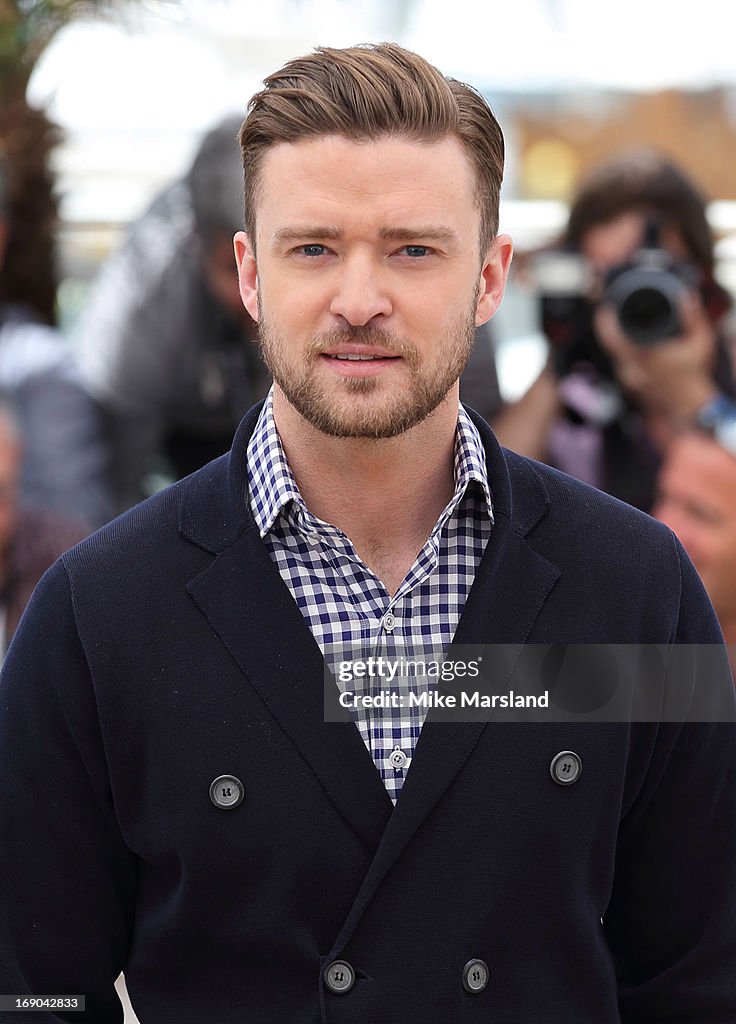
(646, 295)
(645, 292)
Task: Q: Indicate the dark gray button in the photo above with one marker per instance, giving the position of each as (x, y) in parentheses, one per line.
(226, 792)
(339, 977)
(398, 758)
(475, 976)
(566, 767)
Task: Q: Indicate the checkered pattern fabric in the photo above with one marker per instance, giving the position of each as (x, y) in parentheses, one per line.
(347, 607)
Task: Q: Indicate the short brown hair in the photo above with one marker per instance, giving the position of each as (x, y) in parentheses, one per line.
(368, 92)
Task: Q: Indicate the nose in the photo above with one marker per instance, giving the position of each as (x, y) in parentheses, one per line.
(360, 291)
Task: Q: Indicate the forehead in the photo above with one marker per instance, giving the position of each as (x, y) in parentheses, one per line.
(613, 241)
(389, 177)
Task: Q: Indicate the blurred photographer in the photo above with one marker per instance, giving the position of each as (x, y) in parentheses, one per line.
(634, 319)
(164, 343)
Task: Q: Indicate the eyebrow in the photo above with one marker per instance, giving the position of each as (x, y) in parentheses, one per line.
(427, 232)
(299, 233)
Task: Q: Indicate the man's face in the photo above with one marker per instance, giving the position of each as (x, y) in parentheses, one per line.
(697, 500)
(367, 280)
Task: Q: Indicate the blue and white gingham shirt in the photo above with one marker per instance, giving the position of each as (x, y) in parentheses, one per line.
(346, 606)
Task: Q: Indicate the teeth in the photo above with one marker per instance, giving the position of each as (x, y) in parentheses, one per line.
(356, 358)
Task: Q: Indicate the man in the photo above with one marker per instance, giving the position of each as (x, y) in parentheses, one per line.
(625, 376)
(697, 499)
(174, 802)
(166, 345)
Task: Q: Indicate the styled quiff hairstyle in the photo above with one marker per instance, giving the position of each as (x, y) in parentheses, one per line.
(370, 92)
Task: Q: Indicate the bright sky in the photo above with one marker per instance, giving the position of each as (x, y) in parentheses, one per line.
(628, 44)
(134, 98)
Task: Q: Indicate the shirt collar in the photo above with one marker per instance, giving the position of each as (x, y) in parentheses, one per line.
(470, 459)
(272, 485)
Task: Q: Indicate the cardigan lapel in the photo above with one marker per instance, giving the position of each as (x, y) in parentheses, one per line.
(250, 608)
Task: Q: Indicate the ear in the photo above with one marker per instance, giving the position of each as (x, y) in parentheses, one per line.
(493, 278)
(247, 273)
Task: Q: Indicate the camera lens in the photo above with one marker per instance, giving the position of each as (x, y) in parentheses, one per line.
(646, 301)
(646, 311)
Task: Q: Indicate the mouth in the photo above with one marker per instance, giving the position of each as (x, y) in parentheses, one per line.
(359, 360)
(355, 358)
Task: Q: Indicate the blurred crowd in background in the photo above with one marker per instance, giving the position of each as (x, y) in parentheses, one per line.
(637, 395)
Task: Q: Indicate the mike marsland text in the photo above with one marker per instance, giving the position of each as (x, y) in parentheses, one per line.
(435, 699)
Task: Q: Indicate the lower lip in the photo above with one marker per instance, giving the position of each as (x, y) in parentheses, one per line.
(359, 367)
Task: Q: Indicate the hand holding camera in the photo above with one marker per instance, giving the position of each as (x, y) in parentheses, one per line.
(639, 328)
(672, 376)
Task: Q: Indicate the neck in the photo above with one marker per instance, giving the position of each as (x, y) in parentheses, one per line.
(385, 495)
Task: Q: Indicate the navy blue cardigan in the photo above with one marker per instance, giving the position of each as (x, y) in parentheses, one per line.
(165, 651)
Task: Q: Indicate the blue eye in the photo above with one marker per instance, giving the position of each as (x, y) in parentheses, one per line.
(416, 250)
(312, 250)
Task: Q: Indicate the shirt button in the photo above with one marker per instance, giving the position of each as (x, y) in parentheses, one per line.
(389, 621)
(475, 976)
(339, 977)
(226, 792)
(398, 758)
(566, 767)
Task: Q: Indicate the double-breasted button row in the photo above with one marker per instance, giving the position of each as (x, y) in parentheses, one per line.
(227, 791)
(339, 976)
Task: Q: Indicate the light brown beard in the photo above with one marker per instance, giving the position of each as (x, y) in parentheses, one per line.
(418, 398)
